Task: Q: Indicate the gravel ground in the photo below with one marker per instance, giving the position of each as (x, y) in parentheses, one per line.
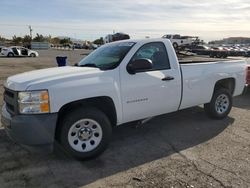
(182, 149)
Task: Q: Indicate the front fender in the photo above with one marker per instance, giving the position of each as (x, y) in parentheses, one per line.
(66, 91)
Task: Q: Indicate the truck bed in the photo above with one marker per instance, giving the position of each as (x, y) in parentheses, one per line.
(200, 76)
(200, 59)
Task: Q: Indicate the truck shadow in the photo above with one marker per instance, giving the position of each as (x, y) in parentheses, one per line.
(243, 101)
(130, 147)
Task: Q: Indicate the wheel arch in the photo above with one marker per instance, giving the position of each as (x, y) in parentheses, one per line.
(227, 83)
(221, 87)
(102, 103)
(10, 52)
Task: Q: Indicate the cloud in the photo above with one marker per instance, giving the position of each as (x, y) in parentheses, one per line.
(90, 19)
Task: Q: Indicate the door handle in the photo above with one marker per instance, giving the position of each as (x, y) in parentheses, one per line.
(167, 78)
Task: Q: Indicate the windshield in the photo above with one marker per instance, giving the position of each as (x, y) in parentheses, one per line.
(107, 57)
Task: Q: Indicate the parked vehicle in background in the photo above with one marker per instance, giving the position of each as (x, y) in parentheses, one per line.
(18, 51)
(212, 52)
(182, 41)
(247, 54)
(78, 46)
(116, 37)
(234, 50)
(93, 46)
(120, 36)
(237, 50)
(119, 82)
(200, 50)
(67, 45)
(218, 52)
(248, 73)
(108, 38)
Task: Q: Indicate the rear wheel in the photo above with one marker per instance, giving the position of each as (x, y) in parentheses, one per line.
(32, 55)
(220, 105)
(10, 54)
(85, 133)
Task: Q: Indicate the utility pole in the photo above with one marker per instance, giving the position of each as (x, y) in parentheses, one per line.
(30, 28)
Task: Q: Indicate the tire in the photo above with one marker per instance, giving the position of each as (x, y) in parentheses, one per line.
(85, 133)
(219, 55)
(211, 55)
(10, 54)
(224, 55)
(175, 45)
(220, 104)
(32, 55)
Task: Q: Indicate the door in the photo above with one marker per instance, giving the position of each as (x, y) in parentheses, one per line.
(152, 92)
(24, 51)
(15, 51)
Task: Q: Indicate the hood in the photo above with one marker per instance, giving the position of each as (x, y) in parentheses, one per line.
(22, 82)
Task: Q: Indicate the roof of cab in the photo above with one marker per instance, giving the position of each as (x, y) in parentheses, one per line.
(139, 40)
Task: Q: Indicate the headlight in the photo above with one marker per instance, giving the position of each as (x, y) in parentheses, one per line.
(33, 102)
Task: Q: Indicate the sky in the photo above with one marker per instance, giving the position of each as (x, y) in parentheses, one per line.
(91, 19)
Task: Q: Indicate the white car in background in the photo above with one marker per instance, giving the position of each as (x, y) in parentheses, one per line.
(14, 51)
(181, 41)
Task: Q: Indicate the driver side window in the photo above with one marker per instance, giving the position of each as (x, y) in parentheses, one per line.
(156, 52)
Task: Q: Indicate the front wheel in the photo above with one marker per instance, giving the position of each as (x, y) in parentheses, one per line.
(32, 55)
(219, 55)
(220, 105)
(10, 54)
(85, 133)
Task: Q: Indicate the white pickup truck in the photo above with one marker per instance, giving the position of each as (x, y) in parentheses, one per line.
(182, 41)
(120, 82)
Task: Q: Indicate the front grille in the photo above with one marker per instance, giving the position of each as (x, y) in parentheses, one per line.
(9, 93)
(10, 98)
(10, 107)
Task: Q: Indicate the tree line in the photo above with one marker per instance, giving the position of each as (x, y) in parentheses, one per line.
(41, 38)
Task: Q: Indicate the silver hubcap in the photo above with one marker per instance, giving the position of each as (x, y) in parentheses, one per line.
(85, 135)
(222, 104)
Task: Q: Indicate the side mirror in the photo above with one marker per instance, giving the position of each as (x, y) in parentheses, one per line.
(139, 65)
